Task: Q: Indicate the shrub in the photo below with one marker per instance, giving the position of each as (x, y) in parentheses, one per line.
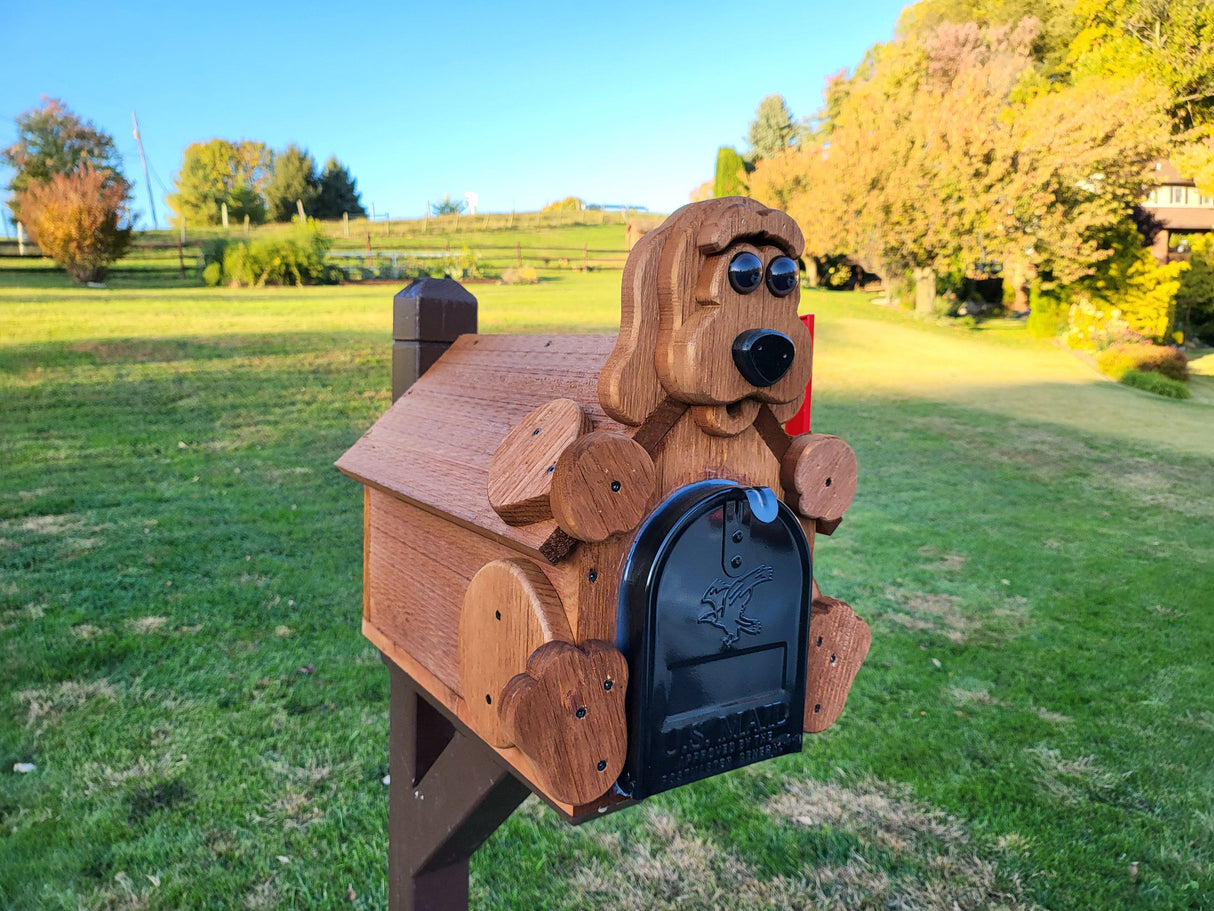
(1195, 299)
(212, 274)
(568, 204)
(1047, 312)
(75, 219)
(297, 258)
(836, 272)
(524, 275)
(1117, 360)
(1155, 383)
(1130, 296)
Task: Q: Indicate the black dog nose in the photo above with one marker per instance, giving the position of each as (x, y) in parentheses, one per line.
(763, 356)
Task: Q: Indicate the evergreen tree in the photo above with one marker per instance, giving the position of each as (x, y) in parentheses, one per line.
(731, 171)
(293, 178)
(338, 192)
(772, 131)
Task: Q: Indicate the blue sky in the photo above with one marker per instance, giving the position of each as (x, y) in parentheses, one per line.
(617, 103)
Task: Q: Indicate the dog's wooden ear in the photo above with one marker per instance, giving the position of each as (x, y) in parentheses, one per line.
(628, 384)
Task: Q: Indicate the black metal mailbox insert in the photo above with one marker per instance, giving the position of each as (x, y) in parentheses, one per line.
(714, 621)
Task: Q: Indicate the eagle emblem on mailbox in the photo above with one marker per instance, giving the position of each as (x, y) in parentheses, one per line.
(729, 598)
(596, 552)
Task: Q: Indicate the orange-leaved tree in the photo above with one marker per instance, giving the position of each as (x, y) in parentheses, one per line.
(77, 220)
(944, 154)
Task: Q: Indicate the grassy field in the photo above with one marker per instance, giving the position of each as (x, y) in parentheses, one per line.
(180, 598)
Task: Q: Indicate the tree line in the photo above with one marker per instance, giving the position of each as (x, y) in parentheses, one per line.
(254, 182)
(69, 191)
(1001, 137)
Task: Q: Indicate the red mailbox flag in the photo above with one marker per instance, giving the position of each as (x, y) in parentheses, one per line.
(800, 420)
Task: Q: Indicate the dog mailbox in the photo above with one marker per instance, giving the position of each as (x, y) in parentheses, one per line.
(596, 552)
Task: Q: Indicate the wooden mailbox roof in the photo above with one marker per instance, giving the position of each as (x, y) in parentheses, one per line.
(433, 447)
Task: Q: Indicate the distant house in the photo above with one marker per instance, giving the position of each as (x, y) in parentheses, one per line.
(1183, 210)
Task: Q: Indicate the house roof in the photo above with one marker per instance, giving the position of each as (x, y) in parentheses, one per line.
(1189, 218)
(433, 447)
(1166, 173)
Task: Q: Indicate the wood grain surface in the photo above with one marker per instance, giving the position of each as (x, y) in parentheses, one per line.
(603, 485)
(520, 473)
(819, 475)
(838, 645)
(510, 609)
(566, 713)
(434, 446)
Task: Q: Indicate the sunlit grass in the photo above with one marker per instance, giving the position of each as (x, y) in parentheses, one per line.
(180, 591)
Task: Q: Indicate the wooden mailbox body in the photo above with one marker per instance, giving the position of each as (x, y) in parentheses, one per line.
(511, 489)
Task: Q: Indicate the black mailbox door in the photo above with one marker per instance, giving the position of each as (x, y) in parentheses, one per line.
(714, 621)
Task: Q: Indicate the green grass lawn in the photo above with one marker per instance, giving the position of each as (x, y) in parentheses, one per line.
(180, 598)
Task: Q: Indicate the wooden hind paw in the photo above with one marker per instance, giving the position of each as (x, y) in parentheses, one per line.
(838, 645)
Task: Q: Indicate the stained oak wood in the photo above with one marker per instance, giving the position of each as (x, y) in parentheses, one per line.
(658, 423)
(566, 713)
(724, 225)
(819, 475)
(419, 566)
(602, 485)
(434, 446)
(523, 767)
(510, 609)
(838, 644)
(680, 315)
(628, 386)
(700, 313)
(686, 454)
(520, 473)
(726, 420)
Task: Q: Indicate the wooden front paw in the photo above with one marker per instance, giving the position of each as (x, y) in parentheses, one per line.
(566, 713)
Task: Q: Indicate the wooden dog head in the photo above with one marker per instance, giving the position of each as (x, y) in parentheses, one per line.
(709, 318)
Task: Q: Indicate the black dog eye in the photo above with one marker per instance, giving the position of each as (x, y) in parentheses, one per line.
(745, 272)
(782, 276)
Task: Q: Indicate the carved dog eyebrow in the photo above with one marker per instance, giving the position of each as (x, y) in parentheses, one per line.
(738, 223)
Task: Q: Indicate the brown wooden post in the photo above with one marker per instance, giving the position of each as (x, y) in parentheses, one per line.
(448, 792)
(427, 316)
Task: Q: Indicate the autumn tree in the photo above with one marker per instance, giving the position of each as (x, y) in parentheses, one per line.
(1170, 42)
(1076, 164)
(772, 131)
(907, 174)
(76, 219)
(292, 180)
(51, 140)
(338, 193)
(936, 158)
(217, 172)
(1057, 25)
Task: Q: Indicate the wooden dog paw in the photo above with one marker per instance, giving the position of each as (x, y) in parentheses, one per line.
(566, 713)
(838, 645)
